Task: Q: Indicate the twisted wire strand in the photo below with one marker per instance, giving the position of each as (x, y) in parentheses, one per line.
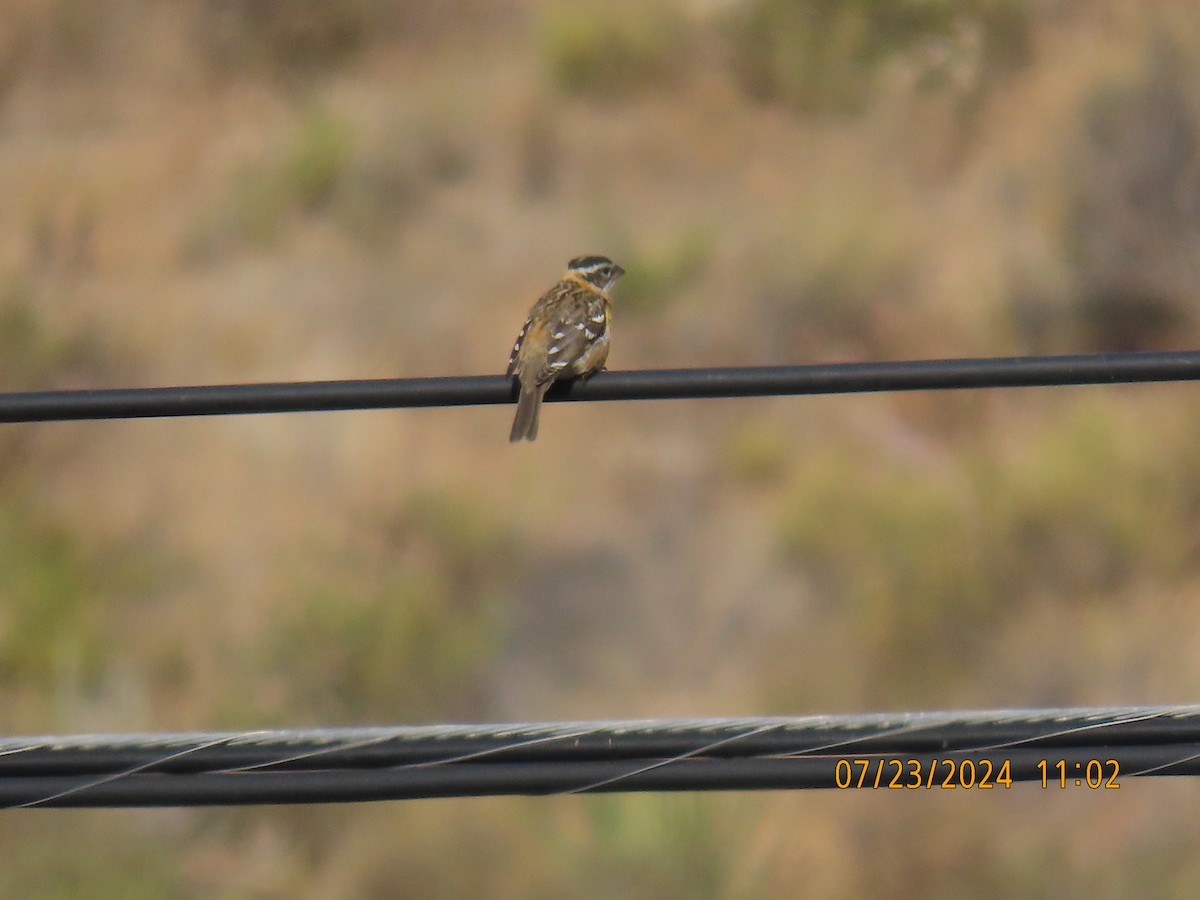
(360, 764)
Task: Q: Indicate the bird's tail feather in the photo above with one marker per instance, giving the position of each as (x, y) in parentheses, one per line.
(529, 404)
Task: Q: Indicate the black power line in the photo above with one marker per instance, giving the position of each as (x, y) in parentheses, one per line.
(1058, 749)
(912, 375)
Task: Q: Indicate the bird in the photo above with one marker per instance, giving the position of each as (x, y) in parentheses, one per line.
(566, 335)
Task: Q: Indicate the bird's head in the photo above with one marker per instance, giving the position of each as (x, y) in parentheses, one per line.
(598, 271)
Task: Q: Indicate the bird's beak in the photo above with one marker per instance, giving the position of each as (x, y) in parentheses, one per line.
(618, 270)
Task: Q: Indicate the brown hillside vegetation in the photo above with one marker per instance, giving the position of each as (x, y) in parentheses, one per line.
(244, 190)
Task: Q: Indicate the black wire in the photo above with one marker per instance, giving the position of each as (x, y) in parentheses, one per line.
(423, 745)
(345, 765)
(499, 779)
(1033, 371)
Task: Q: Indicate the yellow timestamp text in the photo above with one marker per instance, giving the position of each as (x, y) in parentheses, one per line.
(973, 774)
(916, 774)
(1091, 773)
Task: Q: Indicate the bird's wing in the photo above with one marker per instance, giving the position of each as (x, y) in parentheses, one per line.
(578, 320)
(531, 332)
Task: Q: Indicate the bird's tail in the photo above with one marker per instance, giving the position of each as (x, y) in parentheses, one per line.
(529, 404)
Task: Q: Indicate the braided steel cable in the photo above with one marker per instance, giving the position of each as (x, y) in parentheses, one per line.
(1058, 748)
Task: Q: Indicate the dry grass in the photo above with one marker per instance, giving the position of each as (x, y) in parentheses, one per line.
(385, 194)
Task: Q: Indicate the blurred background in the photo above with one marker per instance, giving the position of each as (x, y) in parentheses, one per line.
(214, 191)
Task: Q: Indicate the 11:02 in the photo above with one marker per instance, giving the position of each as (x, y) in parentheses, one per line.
(1093, 773)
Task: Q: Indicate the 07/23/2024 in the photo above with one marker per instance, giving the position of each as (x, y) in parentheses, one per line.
(972, 774)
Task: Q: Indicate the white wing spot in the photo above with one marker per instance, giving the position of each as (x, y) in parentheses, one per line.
(598, 318)
(579, 326)
(558, 364)
(554, 348)
(589, 334)
(559, 335)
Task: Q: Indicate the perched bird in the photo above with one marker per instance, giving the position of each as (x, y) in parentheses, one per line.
(565, 336)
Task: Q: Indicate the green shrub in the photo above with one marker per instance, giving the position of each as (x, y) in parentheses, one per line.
(324, 168)
(1132, 227)
(400, 631)
(923, 556)
(317, 159)
(292, 37)
(304, 176)
(661, 270)
(824, 54)
(51, 605)
(757, 453)
(403, 649)
(604, 51)
(34, 352)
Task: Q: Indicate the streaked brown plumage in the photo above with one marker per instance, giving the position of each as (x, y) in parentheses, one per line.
(565, 336)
